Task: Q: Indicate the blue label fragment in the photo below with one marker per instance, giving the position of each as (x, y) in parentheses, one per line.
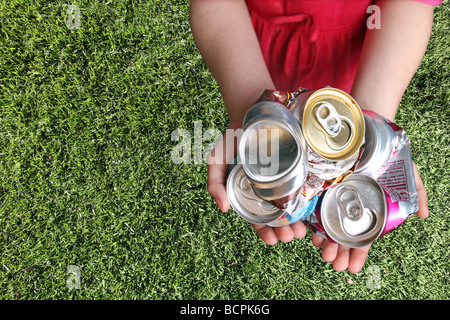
(304, 212)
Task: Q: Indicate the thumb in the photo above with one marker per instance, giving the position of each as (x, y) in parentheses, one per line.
(222, 154)
(422, 195)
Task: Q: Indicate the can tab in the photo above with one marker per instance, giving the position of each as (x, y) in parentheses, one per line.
(245, 188)
(358, 213)
(329, 119)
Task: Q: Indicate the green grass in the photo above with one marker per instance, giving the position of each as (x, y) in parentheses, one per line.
(86, 176)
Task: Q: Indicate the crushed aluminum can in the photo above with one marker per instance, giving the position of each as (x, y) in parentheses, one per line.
(270, 128)
(379, 139)
(398, 213)
(244, 201)
(352, 213)
(332, 217)
(333, 126)
(387, 158)
(256, 210)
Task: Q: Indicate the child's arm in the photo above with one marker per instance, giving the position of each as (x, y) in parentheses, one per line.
(390, 57)
(389, 60)
(225, 37)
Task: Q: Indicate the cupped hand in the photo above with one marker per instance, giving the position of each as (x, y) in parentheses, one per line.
(353, 259)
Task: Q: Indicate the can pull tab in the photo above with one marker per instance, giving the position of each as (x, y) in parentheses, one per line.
(328, 118)
(358, 213)
(245, 187)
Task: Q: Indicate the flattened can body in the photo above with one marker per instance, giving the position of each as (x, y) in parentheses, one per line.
(379, 138)
(352, 213)
(272, 150)
(398, 213)
(386, 157)
(391, 168)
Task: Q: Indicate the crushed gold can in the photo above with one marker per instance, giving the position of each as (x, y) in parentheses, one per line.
(333, 126)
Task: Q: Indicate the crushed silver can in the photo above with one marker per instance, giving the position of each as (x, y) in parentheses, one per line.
(386, 157)
(272, 151)
(352, 213)
(256, 210)
(246, 203)
(379, 139)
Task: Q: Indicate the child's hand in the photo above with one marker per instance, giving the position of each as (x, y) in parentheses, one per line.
(218, 168)
(343, 257)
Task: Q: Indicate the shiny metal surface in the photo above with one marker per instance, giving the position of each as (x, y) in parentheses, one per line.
(273, 152)
(244, 201)
(354, 212)
(333, 124)
(379, 137)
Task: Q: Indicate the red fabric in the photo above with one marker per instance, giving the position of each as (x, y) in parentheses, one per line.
(431, 2)
(312, 43)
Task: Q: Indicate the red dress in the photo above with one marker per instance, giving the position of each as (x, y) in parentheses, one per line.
(310, 43)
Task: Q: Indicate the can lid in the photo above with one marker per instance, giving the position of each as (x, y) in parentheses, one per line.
(333, 124)
(244, 201)
(354, 212)
(272, 144)
(269, 149)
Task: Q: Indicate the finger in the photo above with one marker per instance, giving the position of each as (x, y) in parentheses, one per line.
(357, 259)
(266, 233)
(329, 251)
(422, 195)
(317, 240)
(217, 177)
(285, 233)
(340, 263)
(299, 229)
(220, 156)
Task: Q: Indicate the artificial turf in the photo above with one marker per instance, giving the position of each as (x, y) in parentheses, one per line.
(87, 112)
